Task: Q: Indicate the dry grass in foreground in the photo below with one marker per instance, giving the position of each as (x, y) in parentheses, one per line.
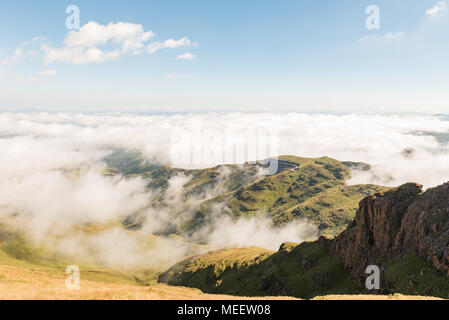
(18, 283)
(22, 283)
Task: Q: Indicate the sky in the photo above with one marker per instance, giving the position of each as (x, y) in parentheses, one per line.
(201, 55)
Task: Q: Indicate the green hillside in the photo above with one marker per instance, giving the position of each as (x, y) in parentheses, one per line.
(403, 231)
(302, 271)
(17, 251)
(312, 188)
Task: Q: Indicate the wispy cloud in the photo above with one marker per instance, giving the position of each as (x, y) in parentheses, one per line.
(387, 36)
(88, 44)
(437, 10)
(18, 53)
(56, 177)
(186, 56)
(36, 78)
(42, 75)
(170, 43)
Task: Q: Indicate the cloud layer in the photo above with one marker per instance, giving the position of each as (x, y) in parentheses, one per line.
(51, 174)
(66, 140)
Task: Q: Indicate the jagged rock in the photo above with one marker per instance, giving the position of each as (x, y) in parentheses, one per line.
(395, 224)
(425, 228)
(397, 228)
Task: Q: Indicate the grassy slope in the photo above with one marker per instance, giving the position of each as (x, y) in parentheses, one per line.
(318, 185)
(15, 251)
(315, 189)
(31, 283)
(303, 271)
(413, 275)
(312, 188)
(27, 272)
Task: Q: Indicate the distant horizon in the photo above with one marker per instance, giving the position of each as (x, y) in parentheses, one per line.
(194, 112)
(400, 148)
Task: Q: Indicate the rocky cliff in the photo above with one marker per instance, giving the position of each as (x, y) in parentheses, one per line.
(393, 225)
(404, 231)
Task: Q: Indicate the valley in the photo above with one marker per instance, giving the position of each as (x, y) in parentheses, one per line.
(329, 263)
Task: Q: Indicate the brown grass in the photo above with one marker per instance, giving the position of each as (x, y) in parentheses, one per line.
(22, 283)
(19, 283)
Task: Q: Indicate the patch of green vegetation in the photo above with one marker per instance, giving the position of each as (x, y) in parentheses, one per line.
(15, 250)
(128, 163)
(414, 276)
(312, 188)
(302, 271)
(332, 209)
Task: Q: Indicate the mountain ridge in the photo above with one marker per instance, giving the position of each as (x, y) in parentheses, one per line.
(404, 231)
(311, 188)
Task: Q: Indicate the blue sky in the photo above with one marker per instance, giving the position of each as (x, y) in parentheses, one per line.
(298, 55)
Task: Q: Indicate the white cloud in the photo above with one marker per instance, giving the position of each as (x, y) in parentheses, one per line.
(36, 78)
(39, 38)
(392, 36)
(66, 139)
(94, 42)
(439, 9)
(171, 76)
(78, 55)
(130, 36)
(170, 43)
(259, 232)
(50, 72)
(387, 36)
(42, 75)
(52, 172)
(186, 56)
(18, 53)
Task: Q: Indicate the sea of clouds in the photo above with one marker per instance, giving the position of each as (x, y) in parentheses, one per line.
(52, 171)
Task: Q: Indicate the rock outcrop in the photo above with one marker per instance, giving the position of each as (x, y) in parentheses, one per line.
(394, 224)
(404, 231)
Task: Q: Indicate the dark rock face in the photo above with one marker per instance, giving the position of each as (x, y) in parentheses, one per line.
(392, 225)
(425, 228)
